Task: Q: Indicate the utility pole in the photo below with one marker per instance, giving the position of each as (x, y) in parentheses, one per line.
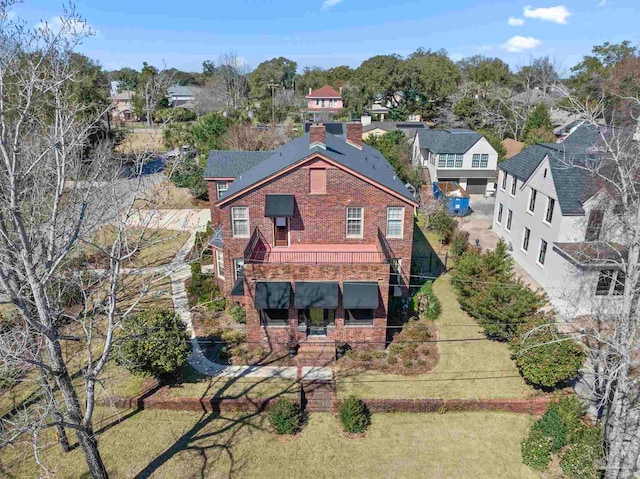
(273, 86)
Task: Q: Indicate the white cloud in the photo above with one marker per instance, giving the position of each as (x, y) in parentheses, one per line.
(330, 3)
(603, 3)
(516, 22)
(519, 44)
(558, 14)
(62, 26)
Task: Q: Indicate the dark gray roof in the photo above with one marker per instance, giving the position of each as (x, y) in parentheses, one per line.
(368, 162)
(571, 183)
(334, 128)
(395, 125)
(589, 136)
(231, 164)
(451, 140)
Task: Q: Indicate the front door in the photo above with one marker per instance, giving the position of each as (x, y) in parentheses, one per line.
(317, 323)
(282, 232)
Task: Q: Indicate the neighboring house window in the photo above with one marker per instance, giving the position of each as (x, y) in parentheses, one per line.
(322, 103)
(514, 186)
(542, 255)
(274, 317)
(458, 161)
(484, 162)
(317, 102)
(475, 161)
(549, 215)
(354, 222)
(509, 218)
(525, 239)
(442, 161)
(504, 180)
(317, 180)
(532, 200)
(238, 266)
(500, 207)
(220, 263)
(222, 186)
(451, 161)
(594, 226)
(240, 222)
(618, 287)
(395, 220)
(604, 282)
(358, 317)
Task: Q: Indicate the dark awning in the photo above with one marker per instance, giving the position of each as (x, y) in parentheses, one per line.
(273, 295)
(279, 206)
(316, 295)
(360, 295)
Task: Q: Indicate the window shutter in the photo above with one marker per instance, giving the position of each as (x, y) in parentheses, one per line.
(318, 180)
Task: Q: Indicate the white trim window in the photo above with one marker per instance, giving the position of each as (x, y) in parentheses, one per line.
(220, 264)
(221, 187)
(514, 186)
(504, 180)
(459, 160)
(240, 222)
(475, 160)
(525, 239)
(509, 219)
(542, 252)
(484, 160)
(609, 278)
(531, 207)
(355, 222)
(395, 222)
(442, 160)
(238, 266)
(500, 208)
(548, 217)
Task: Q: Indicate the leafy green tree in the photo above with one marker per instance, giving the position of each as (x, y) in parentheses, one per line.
(208, 68)
(539, 117)
(380, 78)
(466, 109)
(280, 71)
(394, 147)
(434, 78)
(538, 135)
(153, 342)
(128, 78)
(485, 71)
(473, 269)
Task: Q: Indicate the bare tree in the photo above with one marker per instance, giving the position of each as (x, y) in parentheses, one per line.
(151, 90)
(228, 89)
(610, 329)
(248, 138)
(56, 190)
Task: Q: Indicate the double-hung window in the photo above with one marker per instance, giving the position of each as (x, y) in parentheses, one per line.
(525, 239)
(220, 264)
(357, 317)
(549, 214)
(221, 187)
(451, 161)
(500, 208)
(442, 159)
(542, 254)
(458, 161)
(395, 220)
(509, 218)
(484, 160)
(274, 317)
(532, 200)
(475, 161)
(504, 180)
(355, 221)
(240, 222)
(238, 267)
(514, 186)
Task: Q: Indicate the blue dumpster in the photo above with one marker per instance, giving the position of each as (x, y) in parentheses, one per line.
(455, 197)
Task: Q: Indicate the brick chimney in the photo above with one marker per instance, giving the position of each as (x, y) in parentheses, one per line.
(354, 134)
(317, 135)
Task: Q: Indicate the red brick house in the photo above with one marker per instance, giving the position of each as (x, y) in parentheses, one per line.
(312, 238)
(324, 101)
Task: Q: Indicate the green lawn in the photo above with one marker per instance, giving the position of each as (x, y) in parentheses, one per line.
(166, 444)
(469, 367)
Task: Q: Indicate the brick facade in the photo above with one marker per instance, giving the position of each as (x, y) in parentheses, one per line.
(319, 219)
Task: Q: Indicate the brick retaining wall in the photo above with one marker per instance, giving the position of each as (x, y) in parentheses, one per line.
(524, 406)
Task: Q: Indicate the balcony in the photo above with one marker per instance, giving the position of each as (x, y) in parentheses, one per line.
(258, 250)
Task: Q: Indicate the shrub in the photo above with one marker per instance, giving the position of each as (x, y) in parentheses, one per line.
(354, 415)
(8, 376)
(552, 426)
(233, 337)
(238, 314)
(536, 450)
(546, 358)
(443, 224)
(425, 303)
(571, 410)
(204, 289)
(459, 243)
(284, 416)
(153, 342)
(415, 331)
(580, 461)
(189, 174)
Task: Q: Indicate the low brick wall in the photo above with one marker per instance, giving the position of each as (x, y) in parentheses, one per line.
(149, 387)
(217, 405)
(535, 406)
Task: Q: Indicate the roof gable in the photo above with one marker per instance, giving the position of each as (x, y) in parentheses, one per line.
(324, 92)
(457, 141)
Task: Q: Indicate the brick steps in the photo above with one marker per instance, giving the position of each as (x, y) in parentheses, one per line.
(319, 395)
(316, 354)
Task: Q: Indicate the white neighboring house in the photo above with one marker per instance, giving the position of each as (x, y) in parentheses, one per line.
(556, 220)
(182, 96)
(459, 155)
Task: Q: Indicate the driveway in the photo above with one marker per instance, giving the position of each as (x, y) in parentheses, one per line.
(481, 207)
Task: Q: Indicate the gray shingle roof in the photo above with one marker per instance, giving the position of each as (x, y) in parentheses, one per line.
(368, 162)
(448, 141)
(232, 164)
(570, 182)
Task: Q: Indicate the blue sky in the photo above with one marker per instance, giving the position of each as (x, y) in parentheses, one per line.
(335, 32)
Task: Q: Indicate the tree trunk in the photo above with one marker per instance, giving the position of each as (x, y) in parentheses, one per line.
(92, 455)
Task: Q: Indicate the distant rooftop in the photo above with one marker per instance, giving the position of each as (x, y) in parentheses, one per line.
(324, 92)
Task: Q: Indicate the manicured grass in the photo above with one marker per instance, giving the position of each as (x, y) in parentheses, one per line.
(470, 366)
(169, 197)
(165, 444)
(157, 247)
